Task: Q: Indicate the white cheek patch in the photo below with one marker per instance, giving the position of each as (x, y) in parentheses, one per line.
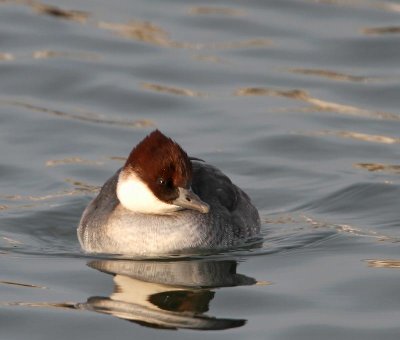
(136, 196)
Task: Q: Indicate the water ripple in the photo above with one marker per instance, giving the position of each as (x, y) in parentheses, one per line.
(384, 263)
(172, 90)
(357, 136)
(141, 31)
(379, 167)
(7, 57)
(85, 117)
(374, 4)
(51, 10)
(317, 104)
(381, 30)
(54, 11)
(210, 10)
(20, 284)
(333, 75)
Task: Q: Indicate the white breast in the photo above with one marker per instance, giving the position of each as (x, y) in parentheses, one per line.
(136, 196)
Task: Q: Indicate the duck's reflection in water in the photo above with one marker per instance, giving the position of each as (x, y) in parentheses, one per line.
(168, 295)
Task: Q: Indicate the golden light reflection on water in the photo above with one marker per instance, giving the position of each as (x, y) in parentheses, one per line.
(339, 76)
(329, 74)
(209, 10)
(300, 222)
(79, 160)
(150, 33)
(143, 31)
(59, 194)
(247, 43)
(381, 30)
(82, 186)
(389, 6)
(84, 116)
(262, 91)
(6, 57)
(46, 54)
(377, 4)
(171, 90)
(349, 229)
(357, 136)
(71, 160)
(378, 167)
(51, 10)
(339, 2)
(317, 104)
(384, 263)
(117, 158)
(78, 16)
(79, 188)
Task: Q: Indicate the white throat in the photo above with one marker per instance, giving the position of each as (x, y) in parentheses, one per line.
(136, 196)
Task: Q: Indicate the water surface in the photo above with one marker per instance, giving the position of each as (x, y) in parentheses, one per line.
(297, 101)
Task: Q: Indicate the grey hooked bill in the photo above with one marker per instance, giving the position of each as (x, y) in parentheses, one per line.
(189, 200)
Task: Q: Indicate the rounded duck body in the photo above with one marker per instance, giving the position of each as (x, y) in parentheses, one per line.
(163, 202)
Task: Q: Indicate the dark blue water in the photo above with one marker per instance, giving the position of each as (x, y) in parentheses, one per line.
(297, 101)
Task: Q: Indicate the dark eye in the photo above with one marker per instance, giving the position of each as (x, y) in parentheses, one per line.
(165, 182)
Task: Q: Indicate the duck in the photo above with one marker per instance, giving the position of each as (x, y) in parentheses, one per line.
(163, 202)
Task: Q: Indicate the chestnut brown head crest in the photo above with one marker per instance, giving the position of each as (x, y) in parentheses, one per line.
(162, 164)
